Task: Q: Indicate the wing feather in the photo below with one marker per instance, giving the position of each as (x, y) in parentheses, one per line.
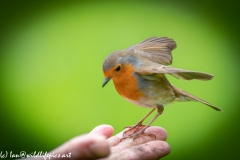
(177, 73)
(155, 49)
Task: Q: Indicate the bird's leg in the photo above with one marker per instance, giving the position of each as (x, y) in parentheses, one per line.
(134, 129)
(141, 131)
(160, 110)
(140, 122)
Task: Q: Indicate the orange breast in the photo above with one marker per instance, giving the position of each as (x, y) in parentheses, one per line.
(126, 84)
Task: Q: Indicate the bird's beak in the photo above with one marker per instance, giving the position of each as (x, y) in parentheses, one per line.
(106, 80)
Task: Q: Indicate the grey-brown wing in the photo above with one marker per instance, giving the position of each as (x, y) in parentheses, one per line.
(155, 49)
(176, 72)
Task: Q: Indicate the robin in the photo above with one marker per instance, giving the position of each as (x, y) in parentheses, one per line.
(138, 74)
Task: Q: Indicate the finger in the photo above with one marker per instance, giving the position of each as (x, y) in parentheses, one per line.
(105, 130)
(115, 140)
(159, 132)
(151, 150)
(85, 147)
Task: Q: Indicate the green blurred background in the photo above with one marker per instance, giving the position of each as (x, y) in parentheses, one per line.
(51, 72)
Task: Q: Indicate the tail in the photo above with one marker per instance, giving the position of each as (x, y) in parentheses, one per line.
(184, 96)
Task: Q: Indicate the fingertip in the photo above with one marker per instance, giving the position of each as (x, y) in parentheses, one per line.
(159, 132)
(167, 147)
(104, 129)
(159, 148)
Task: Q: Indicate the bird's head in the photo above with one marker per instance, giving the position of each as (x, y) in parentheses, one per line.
(119, 66)
(112, 66)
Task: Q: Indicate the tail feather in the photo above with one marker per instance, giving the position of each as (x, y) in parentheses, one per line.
(184, 96)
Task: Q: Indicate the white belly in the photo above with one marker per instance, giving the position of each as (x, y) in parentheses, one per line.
(147, 103)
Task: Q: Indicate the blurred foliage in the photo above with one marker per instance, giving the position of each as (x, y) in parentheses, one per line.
(51, 75)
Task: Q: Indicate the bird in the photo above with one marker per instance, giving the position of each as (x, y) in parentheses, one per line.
(139, 76)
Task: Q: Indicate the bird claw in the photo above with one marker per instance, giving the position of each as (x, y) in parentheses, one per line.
(151, 136)
(138, 135)
(133, 130)
(136, 132)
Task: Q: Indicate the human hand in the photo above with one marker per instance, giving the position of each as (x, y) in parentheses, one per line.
(99, 144)
(141, 148)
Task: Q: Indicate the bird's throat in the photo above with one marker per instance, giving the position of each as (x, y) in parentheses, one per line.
(126, 83)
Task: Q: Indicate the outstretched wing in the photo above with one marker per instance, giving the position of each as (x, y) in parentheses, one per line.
(177, 73)
(155, 49)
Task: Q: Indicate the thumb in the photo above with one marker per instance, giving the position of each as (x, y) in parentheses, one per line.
(85, 147)
(104, 129)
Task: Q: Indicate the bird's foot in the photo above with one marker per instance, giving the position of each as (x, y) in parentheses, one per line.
(136, 132)
(138, 135)
(133, 129)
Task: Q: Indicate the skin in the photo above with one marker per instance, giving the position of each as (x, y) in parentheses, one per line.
(100, 144)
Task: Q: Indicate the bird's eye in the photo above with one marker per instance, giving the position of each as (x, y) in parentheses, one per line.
(118, 68)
